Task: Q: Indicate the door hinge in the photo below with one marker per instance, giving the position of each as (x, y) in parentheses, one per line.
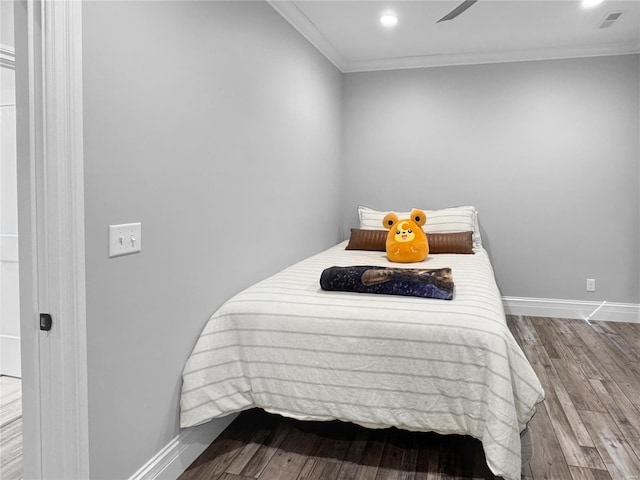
(45, 322)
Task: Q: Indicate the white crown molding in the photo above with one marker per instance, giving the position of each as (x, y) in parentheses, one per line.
(576, 309)
(172, 460)
(447, 60)
(292, 14)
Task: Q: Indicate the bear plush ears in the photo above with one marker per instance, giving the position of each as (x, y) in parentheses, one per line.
(406, 241)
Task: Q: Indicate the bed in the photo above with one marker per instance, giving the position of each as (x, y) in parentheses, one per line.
(447, 366)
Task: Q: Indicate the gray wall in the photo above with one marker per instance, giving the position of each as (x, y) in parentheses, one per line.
(217, 126)
(547, 151)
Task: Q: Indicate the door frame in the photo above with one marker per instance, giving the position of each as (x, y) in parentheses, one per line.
(51, 238)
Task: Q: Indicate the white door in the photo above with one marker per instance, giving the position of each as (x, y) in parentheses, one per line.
(9, 295)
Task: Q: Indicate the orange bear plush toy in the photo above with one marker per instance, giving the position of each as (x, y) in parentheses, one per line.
(406, 241)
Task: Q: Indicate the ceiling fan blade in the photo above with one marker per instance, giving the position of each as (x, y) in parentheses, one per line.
(457, 11)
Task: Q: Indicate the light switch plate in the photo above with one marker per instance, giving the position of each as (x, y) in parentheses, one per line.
(125, 239)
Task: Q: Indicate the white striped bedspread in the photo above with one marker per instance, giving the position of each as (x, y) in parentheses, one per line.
(447, 366)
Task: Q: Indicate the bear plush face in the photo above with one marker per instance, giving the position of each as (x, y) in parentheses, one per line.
(406, 241)
(404, 232)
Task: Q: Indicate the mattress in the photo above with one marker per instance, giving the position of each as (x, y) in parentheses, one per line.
(447, 366)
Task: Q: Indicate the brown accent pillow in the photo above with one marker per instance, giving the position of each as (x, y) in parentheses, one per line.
(375, 240)
(457, 242)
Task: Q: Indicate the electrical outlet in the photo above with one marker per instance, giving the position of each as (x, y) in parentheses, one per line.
(125, 239)
(591, 284)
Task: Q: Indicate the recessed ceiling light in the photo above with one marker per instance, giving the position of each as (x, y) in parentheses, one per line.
(388, 19)
(591, 3)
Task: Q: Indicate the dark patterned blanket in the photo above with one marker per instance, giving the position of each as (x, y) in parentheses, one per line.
(416, 282)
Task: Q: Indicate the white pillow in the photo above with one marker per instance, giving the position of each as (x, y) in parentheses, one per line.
(372, 219)
(446, 220)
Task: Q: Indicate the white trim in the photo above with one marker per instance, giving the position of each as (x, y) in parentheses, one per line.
(578, 309)
(55, 69)
(423, 61)
(292, 14)
(170, 462)
(28, 36)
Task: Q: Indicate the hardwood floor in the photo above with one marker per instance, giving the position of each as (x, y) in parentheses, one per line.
(10, 428)
(587, 428)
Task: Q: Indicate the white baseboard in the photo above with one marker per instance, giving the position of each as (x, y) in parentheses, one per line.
(170, 462)
(579, 309)
(10, 356)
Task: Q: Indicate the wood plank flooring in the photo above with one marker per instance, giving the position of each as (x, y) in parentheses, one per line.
(587, 428)
(10, 428)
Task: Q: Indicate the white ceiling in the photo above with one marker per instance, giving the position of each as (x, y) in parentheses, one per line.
(348, 32)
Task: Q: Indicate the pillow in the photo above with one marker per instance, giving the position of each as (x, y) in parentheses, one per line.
(375, 240)
(446, 220)
(372, 219)
(455, 242)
